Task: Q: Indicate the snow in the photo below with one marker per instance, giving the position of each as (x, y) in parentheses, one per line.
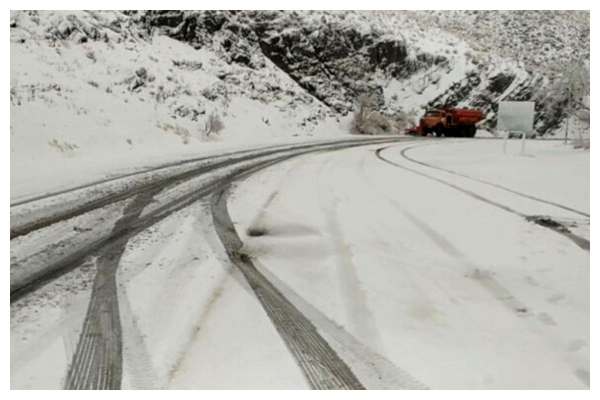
(76, 111)
(543, 40)
(93, 95)
(549, 169)
(421, 88)
(182, 310)
(189, 310)
(414, 93)
(455, 292)
(413, 283)
(44, 330)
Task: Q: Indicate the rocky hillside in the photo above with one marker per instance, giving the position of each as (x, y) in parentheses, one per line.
(541, 40)
(262, 74)
(407, 60)
(545, 46)
(95, 93)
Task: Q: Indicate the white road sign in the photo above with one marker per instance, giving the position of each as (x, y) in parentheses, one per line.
(516, 116)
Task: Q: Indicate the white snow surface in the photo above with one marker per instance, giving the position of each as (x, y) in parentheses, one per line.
(92, 95)
(413, 283)
(547, 169)
(76, 110)
(453, 292)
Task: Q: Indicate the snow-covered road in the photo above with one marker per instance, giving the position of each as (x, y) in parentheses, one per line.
(406, 265)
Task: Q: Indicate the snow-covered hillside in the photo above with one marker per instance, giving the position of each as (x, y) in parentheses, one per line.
(117, 89)
(542, 40)
(524, 55)
(408, 60)
(92, 90)
(181, 177)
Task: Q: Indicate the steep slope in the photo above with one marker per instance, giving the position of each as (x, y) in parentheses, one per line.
(93, 90)
(107, 89)
(542, 46)
(334, 56)
(407, 60)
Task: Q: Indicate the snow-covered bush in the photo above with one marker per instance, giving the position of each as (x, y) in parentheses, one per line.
(367, 120)
(213, 124)
(402, 120)
(569, 95)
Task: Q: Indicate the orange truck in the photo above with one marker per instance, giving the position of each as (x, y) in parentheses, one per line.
(450, 122)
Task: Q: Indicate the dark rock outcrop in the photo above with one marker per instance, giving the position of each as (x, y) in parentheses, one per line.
(336, 62)
(499, 83)
(333, 62)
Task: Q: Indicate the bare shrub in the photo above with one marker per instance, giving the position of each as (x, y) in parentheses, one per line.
(366, 103)
(63, 147)
(213, 124)
(367, 120)
(177, 130)
(91, 55)
(401, 120)
(568, 97)
(187, 64)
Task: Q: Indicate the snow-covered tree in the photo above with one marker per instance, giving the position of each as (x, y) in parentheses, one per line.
(574, 85)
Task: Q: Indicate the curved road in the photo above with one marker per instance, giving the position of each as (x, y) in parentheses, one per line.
(327, 265)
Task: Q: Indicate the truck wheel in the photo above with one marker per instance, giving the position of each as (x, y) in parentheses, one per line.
(468, 131)
(452, 132)
(463, 131)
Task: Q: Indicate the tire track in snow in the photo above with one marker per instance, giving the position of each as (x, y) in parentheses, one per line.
(204, 315)
(138, 360)
(28, 279)
(484, 278)
(384, 235)
(163, 166)
(497, 290)
(384, 373)
(25, 281)
(353, 295)
(213, 163)
(323, 368)
(102, 201)
(579, 241)
(98, 360)
(487, 280)
(404, 152)
(257, 226)
(367, 363)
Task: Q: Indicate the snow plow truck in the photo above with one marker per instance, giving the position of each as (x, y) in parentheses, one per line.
(450, 122)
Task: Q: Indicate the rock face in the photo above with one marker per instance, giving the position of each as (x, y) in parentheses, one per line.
(550, 104)
(336, 60)
(331, 60)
